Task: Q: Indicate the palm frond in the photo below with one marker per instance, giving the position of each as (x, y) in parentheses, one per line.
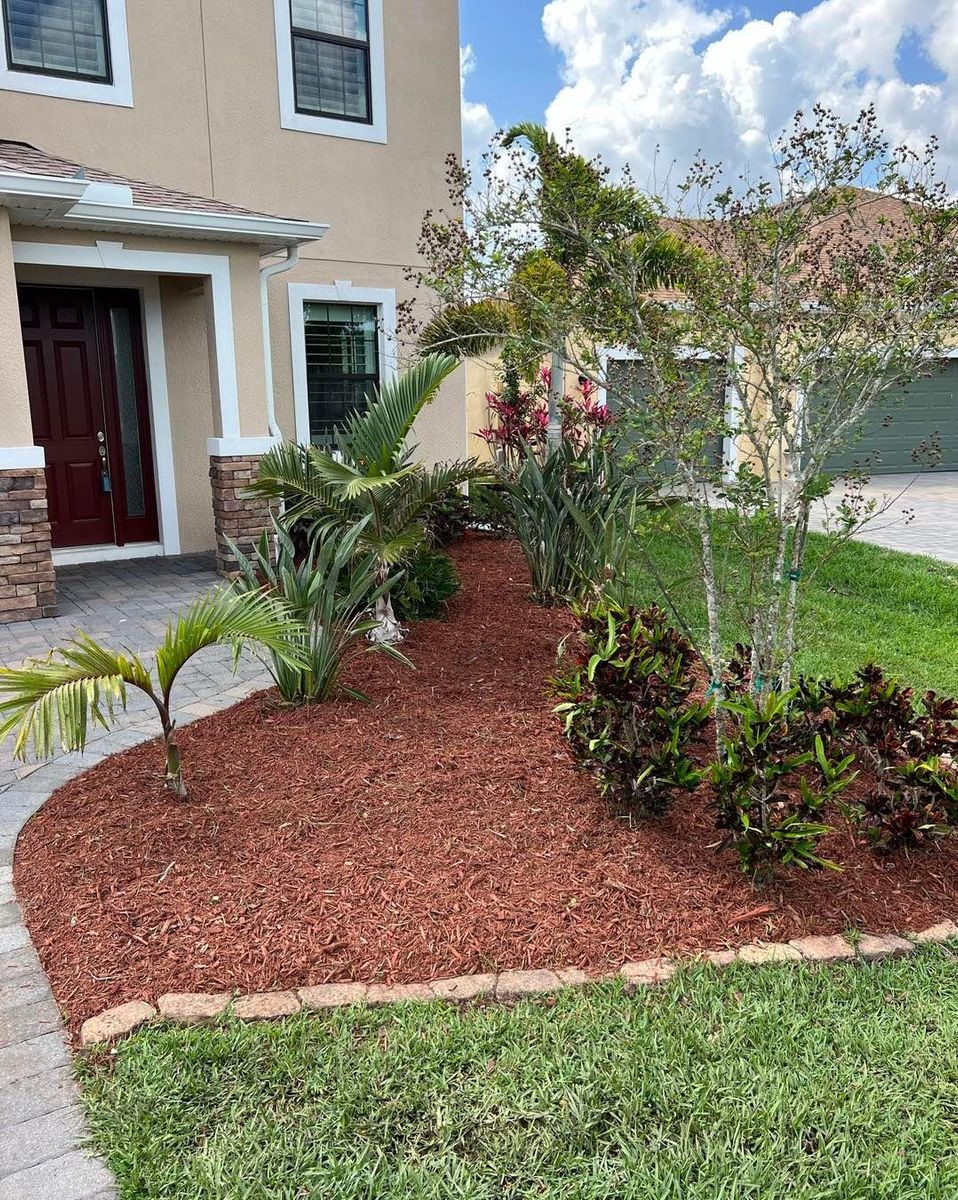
(373, 439)
(226, 616)
(62, 694)
(470, 330)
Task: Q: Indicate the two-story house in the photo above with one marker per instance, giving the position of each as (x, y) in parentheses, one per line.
(207, 210)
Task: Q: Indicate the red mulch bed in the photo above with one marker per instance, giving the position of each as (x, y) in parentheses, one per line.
(441, 830)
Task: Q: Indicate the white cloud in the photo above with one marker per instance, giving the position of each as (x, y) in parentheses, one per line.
(478, 125)
(683, 76)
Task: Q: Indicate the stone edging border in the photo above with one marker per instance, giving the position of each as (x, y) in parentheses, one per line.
(192, 1008)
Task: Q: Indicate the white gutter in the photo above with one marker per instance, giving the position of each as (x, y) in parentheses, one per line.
(265, 275)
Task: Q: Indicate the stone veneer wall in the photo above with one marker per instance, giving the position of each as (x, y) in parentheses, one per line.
(27, 580)
(235, 516)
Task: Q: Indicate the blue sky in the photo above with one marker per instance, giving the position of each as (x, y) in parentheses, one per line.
(631, 75)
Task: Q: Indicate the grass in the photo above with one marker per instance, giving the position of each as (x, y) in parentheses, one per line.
(861, 604)
(834, 1084)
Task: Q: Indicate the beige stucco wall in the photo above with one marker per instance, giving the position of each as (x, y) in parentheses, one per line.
(206, 118)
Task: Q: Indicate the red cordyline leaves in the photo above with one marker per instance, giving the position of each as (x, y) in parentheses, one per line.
(522, 418)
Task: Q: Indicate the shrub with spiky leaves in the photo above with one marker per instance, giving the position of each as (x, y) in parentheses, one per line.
(331, 592)
(82, 684)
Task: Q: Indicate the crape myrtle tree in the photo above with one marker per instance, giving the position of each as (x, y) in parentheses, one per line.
(796, 303)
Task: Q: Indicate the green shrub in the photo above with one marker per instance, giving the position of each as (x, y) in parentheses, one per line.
(331, 590)
(774, 781)
(627, 707)
(429, 582)
(569, 514)
(447, 518)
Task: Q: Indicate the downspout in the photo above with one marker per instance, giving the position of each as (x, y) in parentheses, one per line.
(265, 275)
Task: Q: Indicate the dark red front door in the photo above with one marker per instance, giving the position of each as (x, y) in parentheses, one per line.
(87, 381)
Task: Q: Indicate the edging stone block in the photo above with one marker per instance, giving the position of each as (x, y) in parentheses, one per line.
(379, 993)
(191, 1008)
(873, 948)
(116, 1022)
(464, 987)
(649, 973)
(332, 995)
(824, 949)
(934, 935)
(518, 985)
(758, 954)
(266, 1006)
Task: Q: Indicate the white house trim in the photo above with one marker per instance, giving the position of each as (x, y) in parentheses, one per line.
(113, 256)
(240, 447)
(70, 556)
(21, 458)
(119, 92)
(342, 292)
(161, 426)
(356, 131)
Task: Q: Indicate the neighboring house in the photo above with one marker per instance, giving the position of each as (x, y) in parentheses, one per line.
(157, 337)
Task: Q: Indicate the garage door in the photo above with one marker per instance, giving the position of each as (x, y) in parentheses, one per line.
(896, 428)
(627, 389)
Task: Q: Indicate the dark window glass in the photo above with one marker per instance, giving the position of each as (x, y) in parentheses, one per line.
(342, 363)
(58, 37)
(331, 58)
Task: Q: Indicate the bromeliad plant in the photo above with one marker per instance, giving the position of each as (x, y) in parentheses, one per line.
(83, 683)
(371, 479)
(329, 590)
(627, 706)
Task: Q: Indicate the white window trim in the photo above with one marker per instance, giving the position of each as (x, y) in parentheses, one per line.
(355, 131)
(341, 292)
(119, 92)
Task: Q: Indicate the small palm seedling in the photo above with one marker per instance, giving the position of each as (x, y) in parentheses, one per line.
(84, 683)
(331, 591)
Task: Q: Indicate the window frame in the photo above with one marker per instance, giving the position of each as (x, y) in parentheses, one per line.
(341, 292)
(332, 39)
(116, 89)
(354, 128)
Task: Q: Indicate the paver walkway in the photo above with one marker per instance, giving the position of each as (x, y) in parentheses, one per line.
(921, 516)
(41, 1123)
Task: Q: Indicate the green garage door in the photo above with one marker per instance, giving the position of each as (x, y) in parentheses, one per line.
(627, 387)
(896, 428)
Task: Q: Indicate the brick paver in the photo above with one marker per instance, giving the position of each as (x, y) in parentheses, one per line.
(920, 517)
(126, 605)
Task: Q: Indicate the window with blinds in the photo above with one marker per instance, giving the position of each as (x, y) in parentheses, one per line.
(331, 58)
(342, 363)
(58, 37)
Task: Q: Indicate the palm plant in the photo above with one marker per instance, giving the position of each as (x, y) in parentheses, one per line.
(372, 480)
(83, 683)
(329, 591)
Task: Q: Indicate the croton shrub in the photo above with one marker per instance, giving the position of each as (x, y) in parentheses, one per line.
(786, 761)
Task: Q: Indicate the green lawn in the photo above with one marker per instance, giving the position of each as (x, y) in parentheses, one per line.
(836, 1083)
(863, 604)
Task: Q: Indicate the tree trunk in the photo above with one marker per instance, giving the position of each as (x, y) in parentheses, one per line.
(556, 394)
(174, 767)
(388, 631)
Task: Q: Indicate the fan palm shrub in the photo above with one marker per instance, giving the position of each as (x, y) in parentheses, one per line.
(83, 683)
(370, 480)
(330, 592)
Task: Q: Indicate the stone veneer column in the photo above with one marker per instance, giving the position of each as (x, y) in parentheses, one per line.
(235, 515)
(27, 588)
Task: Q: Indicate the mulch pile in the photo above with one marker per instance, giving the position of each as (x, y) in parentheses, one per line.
(441, 830)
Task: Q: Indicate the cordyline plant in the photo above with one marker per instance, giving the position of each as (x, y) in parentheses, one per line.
(801, 301)
(83, 683)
